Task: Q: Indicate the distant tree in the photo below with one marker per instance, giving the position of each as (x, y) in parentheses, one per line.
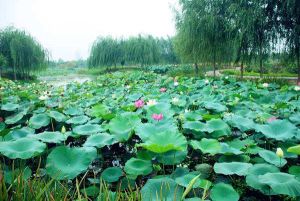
(23, 53)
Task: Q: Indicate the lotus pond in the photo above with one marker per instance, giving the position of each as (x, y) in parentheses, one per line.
(143, 136)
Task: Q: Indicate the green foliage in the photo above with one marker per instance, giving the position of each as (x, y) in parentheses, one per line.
(20, 53)
(140, 50)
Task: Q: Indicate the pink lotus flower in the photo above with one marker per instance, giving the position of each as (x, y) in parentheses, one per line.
(163, 90)
(139, 103)
(158, 117)
(1, 119)
(271, 119)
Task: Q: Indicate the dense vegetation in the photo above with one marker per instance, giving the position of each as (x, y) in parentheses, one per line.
(240, 31)
(142, 136)
(141, 50)
(20, 54)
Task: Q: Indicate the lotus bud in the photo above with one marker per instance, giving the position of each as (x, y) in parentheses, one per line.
(63, 129)
(279, 153)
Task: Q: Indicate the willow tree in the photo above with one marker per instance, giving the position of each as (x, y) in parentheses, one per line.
(289, 18)
(241, 12)
(138, 50)
(204, 32)
(23, 53)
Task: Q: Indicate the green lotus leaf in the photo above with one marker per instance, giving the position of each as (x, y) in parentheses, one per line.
(281, 183)
(161, 189)
(144, 131)
(227, 149)
(111, 174)
(59, 117)
(186, 179)
(87, 129)
(21, 132)
(294, 149)
(22, 148)
(74, 111)
(165, 141)
(67, 163)
(272, 158)
(78, 120)
(295, 118)
(122, 126)
(210, 146)
(100, 140)
(14, 118)
(234, 158)
(231, 168)
(255, 171)
(160, 108)
(217, 128)
(242, 123)
(172, 157)
(50, 137)
(102, 111)
(224, 192)
(38, 121)
(10, 107)
(217, 107)
(279, 130)
(136, 166)
(194, 126)
(295, 170)
(192, 116)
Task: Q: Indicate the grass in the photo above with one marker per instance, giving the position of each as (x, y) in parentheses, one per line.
(237, 73)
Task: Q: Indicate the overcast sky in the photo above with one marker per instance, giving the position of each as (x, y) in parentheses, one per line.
(67, 28)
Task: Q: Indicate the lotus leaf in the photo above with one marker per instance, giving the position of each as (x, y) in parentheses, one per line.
(66, 163)
(78, 120)
(279, 130)
(255, 171)
(122, 126)
(136, 166)
(224, 192)
(294, 149)
(281, 183)
(87, 129)
(210, 146)
(218, 128)
(272, 158)
(112, 174)
(22, 148)
(10, 107)
(231, 168)
(165, 141)
(38, 121)
(50, 137)
(161, 189)
(59, 117)
(100, 140)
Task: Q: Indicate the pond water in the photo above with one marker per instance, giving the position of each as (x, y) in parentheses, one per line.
(65, 79)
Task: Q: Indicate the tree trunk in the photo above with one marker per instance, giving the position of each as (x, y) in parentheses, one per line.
(15, 75)
(260, 61)
(242, 70)
(214, 64)
(298, 64)
(196, 68)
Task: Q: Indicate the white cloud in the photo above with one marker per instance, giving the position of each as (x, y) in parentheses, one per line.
(67, 28)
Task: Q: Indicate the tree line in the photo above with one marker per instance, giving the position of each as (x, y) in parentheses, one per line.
(139, 50)
(20, 53)
(244, 32)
